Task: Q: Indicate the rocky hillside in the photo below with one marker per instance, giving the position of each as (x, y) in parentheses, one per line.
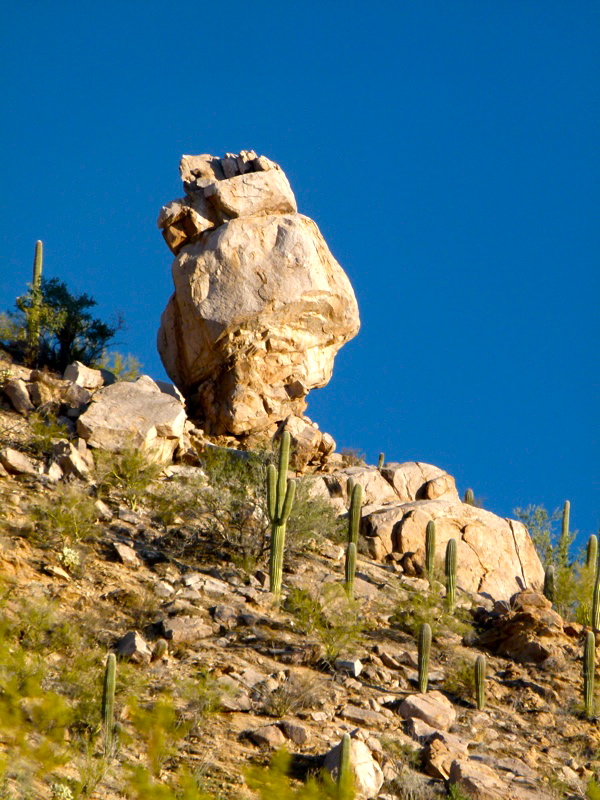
(126, 529)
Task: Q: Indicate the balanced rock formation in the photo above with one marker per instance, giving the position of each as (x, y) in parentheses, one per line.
(260, 306)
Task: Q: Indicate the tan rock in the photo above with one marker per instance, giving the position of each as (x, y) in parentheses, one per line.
(17, 463)
(480, 781)
(495, 556)
(84, 376)
(70, 460)
(434, 708)
(368, 776)
(415, 480)
(260, 309)
(16, 391)
(252, 193)
(134, 647)
(133, 415)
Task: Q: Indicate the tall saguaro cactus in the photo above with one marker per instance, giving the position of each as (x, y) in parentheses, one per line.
(344, 773)
(591, 556)
(430, 549)
(565, 537)
(108, 703)
(589, 666)
(469, 497)
(280, 498)
(356, 498)
(424, 651)
(33, 316)
(596, 602)
(549, 576)
(480, 670)
(350, 570)
(450, 565)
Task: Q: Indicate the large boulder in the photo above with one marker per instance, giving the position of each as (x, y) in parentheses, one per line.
(260, 307)
(134, 414)
(495, 556)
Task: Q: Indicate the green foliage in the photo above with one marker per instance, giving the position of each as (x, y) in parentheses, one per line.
(456, 793)
(128, 472)
(123, 367)
(273, 783)
(66, 517)
(540, 525)
(329, 617)
(182, 785)
(45, 432)
(162, 727)
(424, 650)
(67, 330)
(459, 677)
(297, 693)
(593, 790)
(426, 606)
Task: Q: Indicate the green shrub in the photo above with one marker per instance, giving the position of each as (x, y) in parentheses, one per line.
(45, 432)
(427, 606)
(273, 783)
(63, 518)
(128, 472)
(330, 617)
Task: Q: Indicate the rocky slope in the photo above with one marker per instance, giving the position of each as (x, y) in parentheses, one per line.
(242, 675)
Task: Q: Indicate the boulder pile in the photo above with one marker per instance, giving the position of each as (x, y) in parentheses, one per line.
(260, 307)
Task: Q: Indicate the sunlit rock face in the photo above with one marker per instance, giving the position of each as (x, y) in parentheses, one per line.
(260, 307)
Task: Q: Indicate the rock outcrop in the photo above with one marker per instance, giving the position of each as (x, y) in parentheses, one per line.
(261, 306)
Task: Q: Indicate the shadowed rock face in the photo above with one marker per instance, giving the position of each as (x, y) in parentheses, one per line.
(260, 307)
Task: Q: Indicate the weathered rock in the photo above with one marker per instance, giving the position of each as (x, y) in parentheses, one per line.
(368, 777)
(260, 308)
(185, 629)
(16, 391)
(434, 708)
(133, 415)
(294, 731)
(84, 376)
(495, 556)
(363, 716)
(17, 463)
(126, 555)
(70, 461)
(441, 750)
(268, 736)
(134, 647)
(527, 631)
(415, 480)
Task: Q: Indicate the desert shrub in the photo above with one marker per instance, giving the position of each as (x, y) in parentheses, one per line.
(546, 539)
(428, 606)
(330, 617)
(297, 693)
(161, 726)
(351, 457)
(459, 677)
(128, 472)
(312, 516)
(63, 518)
(124, 368)
(45, 432)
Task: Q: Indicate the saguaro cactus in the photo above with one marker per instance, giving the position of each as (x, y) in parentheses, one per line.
(344, 775)
(33, 316)
(469, 497)
(480, 670)
(591, 557)
(565, 539)
(549, 575)
(354, 513)
(423, 655)
(108, 702)
(350, 570)
(450, 564)
(589, 667)
(381, 461)
(280, 497)
(430, 549)
(596, 602)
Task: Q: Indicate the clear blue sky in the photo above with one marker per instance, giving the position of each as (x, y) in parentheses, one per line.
(448, 150)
